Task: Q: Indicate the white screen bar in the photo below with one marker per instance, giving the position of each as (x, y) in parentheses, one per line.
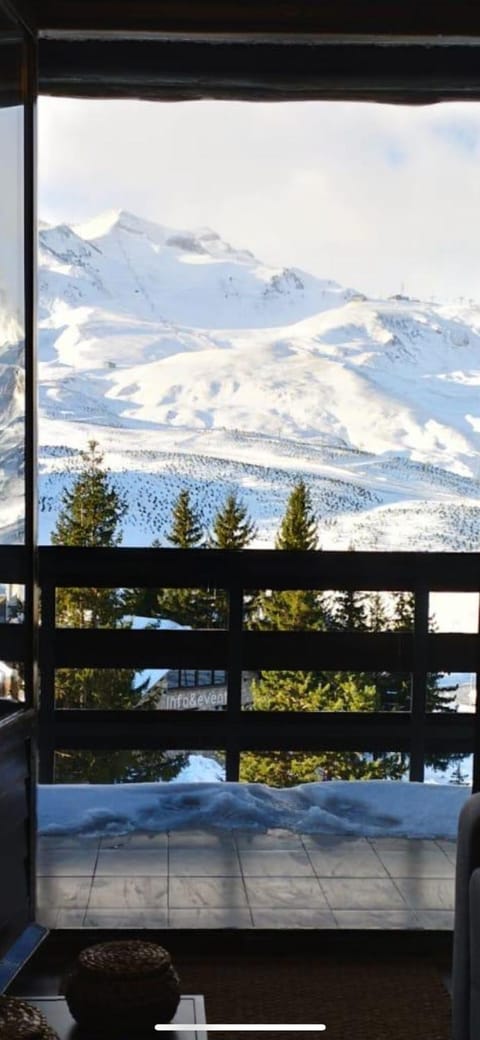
(272, 1027)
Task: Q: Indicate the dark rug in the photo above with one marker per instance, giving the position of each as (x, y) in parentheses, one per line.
(356, 999)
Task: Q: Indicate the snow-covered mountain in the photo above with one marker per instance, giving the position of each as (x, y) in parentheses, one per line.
(194, 364)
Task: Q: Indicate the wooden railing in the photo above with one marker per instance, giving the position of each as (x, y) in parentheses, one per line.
(417, 732)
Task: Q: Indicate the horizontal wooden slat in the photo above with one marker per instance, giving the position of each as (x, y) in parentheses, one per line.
(13, 640)
(257, 569)
(360, 651)
(258, 730)
(13, 562)
(120, 648)
(328, 651)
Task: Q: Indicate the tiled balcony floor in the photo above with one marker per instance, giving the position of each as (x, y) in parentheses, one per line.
(204, 879)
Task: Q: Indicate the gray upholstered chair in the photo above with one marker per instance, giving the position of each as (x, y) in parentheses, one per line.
(466, 944)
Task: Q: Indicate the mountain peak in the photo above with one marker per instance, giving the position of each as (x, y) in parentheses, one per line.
(106, 222)
(201, 240)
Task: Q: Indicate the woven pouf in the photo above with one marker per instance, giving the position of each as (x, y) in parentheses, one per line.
(124, 985)
(21, 1021)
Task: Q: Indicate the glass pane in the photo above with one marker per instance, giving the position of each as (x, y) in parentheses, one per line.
(12, 306)
(238, 303)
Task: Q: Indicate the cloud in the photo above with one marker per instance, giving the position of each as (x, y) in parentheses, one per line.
(382, 198)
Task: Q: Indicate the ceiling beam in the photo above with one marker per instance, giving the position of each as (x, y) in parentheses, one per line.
(247, 18)
(183, 70)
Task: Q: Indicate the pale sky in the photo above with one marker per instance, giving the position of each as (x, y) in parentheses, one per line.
(11, 187)
(382, 198)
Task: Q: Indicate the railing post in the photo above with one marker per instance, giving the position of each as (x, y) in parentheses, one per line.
(234, 681)
(46, 737)
(419, 685)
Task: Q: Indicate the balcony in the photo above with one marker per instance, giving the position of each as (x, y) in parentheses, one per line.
(236, 878)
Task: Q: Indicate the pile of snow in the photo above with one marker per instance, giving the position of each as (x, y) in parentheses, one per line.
(371, 808)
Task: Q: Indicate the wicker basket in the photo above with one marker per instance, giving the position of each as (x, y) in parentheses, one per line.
(20, 1021)
(124, 984)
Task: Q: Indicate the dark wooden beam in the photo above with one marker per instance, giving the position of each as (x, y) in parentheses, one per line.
(258, 731)
(249, 17)
(13, 563)
(13, 643)
(296, 70)
(252, 569)
(316, 651)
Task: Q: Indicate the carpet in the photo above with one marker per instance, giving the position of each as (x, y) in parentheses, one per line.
(361, 999)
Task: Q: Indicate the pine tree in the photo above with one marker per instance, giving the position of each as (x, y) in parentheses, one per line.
(298, 529)
(192, 607)
(90, 515)
(187, 530)
(377, 618)
(232, 527)
(143, 602)
(350, 609)
(350, 612)
(292, 610)
(459, 776)
(395, 690)
(92, 509)
(308, 691)
(117, 767)
(403, 619)
(398, 687)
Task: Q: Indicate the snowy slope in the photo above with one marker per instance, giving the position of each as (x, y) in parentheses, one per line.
(196, 365)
